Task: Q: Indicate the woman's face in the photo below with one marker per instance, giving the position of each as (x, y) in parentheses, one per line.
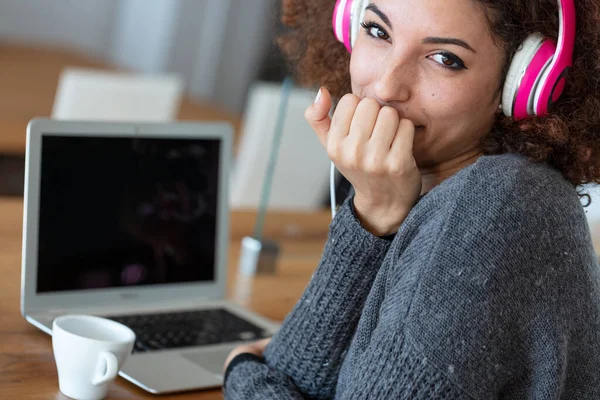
(436, 63)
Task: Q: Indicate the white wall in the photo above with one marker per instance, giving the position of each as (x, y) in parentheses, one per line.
(85, 25)
(143, 34)
(200, 41)
(249, 35)
(219, 46)
(593, 210)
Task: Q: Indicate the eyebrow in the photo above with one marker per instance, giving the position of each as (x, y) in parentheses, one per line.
(373, 7)
(454, 41)
(428, 40)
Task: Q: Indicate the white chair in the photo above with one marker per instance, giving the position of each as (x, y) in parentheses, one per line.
(86, 94)
(301, 177)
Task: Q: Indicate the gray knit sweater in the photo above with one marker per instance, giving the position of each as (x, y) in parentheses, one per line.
(490, 289)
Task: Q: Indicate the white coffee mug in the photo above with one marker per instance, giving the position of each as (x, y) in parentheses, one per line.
(89, 351)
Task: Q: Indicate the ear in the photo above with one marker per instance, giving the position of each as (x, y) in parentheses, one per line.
(497, 102)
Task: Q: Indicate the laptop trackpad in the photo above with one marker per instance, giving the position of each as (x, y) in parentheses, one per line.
(212, 360)
(163, 372)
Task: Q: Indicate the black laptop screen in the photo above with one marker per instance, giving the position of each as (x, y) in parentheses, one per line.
(126, 212)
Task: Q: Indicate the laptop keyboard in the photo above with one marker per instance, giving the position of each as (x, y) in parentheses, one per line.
(188, 328)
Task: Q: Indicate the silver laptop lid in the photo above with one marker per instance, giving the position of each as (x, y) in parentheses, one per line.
(118, 213)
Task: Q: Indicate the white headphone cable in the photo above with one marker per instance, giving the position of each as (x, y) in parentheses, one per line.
(332, 189)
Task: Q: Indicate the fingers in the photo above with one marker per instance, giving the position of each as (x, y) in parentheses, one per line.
(364, 121)
(385, 129)
(262, 344)
(256, 348)
(402, 145)
(317, 115)
(342, 118)
(365, 117)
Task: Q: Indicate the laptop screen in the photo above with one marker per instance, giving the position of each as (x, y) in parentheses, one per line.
(120, 212)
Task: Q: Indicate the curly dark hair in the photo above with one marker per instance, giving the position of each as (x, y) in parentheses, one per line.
(568, 139)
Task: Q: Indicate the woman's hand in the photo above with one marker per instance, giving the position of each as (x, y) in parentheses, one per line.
(256, 348)
(372, 147)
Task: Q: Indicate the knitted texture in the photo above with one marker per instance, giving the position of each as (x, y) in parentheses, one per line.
(490, 289)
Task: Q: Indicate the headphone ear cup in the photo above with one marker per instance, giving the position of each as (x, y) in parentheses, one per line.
(522, 79)
(342, 22)
(520, 61)
(347, 16)
(359, 8)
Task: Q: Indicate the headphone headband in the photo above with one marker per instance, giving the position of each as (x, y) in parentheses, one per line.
(553, 80)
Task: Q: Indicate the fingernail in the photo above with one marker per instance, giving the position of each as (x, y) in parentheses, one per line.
(318, 96)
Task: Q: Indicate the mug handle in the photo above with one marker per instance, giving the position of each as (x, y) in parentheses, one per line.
(112, 368)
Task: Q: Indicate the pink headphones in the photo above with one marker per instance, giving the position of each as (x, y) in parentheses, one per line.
(537, 74)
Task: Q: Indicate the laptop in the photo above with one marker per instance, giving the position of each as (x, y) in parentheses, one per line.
(130, 221)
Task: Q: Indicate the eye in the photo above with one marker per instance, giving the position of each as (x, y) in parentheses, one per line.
(448, 60)
(374, 30)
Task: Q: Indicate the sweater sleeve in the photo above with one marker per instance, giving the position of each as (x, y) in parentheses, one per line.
(254, 380)
(307, 352)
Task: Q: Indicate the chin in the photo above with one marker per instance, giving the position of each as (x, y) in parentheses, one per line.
(424, 160)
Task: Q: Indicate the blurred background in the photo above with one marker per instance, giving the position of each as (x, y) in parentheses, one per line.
(159, 60)
(218, 47)
(176, 60)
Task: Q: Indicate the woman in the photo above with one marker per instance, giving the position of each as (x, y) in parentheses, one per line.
(461, 266)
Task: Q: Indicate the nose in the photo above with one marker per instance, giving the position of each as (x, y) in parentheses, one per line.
(395, 81)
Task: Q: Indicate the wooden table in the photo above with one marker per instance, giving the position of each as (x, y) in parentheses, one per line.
(27, 369)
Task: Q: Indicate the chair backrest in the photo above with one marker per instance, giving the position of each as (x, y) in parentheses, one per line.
(301, 175)
(86, 94)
